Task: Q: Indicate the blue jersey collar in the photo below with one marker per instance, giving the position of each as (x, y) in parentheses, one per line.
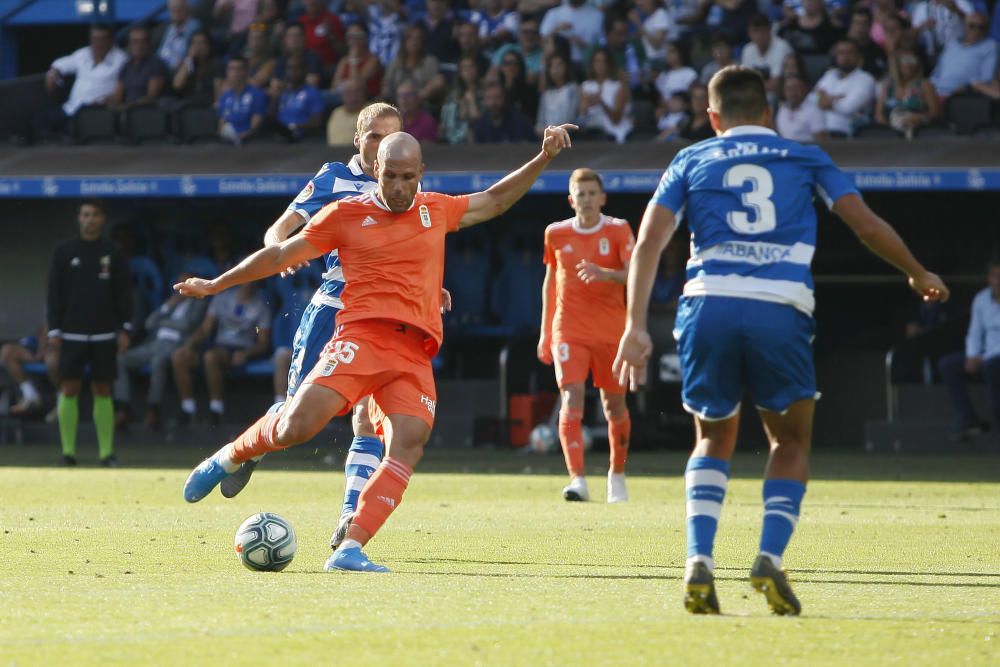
(749, 129)
(355, 166)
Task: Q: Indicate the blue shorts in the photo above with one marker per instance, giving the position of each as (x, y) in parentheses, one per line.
(315, 330)
(729, 346)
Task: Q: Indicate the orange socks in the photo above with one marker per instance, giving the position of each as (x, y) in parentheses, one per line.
(257, 440)
(618, 435)
(571, 439)
(382, 494)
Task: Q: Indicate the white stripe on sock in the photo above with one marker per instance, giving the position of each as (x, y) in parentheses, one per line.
(706, 477)
(791, 517)
(356, 459)
(704, 508)
(355, 483)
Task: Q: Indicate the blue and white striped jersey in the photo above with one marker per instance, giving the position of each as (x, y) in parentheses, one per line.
(748, 200)
(334, 180)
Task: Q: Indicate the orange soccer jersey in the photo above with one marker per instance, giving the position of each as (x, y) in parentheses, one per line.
(593, 313)
(393, 262)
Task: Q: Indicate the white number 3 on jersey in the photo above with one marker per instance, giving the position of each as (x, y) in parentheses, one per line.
(757, 199)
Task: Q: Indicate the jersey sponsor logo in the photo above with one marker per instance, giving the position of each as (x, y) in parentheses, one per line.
(306, 193)
(369, 221)
(430, 404)
(351, 186)
(425, 216)
(604, 247)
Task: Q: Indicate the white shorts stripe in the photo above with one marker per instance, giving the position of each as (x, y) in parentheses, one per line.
(705, 477)
(704, 508)
(748, 287)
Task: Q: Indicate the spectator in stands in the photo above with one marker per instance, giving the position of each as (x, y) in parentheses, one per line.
(677, 77)
(468, 45)
(416, 120)
(341, 126)
(260, 57)
(929, 335)
(166, 328)
(811, 32)
(271, 19)
(89, 311)
(652, 23)
(142, 78)
(766, 53)
(199, 78)
(798, 117)
(520, 94)
(359, 65)
(990, 89)
(672, 116)
(324, 33)
(981, 359)
(13, 357)
(846, 92)
(439, 26)
(938, 22)
(966, 62)
(560, 100)
(95, 67)
(238, 14)
(413, 63)
(906, 99)
(496, 24)
(385, 29)
(293, 45)
(859, 30)
(578, 23)
(700, 127)
(793, 66)
(241, 322)
(299, 105)
(727, 18)
(627, 54)
(463, 106)
(604, 100)
(995, 24)
(528, 46)
(500, 123)
(242, 106)
(174, 38)
(722, 55)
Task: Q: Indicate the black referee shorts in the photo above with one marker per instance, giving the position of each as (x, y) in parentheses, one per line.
(76, 356)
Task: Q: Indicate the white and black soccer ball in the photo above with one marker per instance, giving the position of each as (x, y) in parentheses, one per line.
(543, 439)
(265, 542)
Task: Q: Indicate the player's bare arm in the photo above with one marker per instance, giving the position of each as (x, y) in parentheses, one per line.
(636, 346)
(544, 350)
(280, 230)
(589, 272)
(262, 264)
(879, 237)
(501, 196)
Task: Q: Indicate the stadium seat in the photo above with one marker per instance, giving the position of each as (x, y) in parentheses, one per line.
(197, 123)
(93, 125)
(877, 132)
(931, 131)
(815, 65)
(517, 292)
(145, 124)
(146, 277)
(967, 113)
(644, 115)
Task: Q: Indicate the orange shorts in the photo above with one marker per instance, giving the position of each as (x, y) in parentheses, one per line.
(385, 359)
(573, 361)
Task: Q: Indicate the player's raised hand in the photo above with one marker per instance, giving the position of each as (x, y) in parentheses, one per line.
(556, 138)
(930, 287)
(634, 351)
(197, 287)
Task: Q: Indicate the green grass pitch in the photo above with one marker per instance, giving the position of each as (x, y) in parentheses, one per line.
(896, 561)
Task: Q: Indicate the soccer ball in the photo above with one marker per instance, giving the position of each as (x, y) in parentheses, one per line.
(265, 542)
(543, 439)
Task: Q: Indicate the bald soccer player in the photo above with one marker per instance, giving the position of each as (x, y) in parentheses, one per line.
(391, 244)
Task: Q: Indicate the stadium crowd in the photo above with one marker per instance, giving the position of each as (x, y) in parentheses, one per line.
(488, 71)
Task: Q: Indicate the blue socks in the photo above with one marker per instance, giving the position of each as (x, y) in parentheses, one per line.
(782, 500)
(363, 459)
(705, 480)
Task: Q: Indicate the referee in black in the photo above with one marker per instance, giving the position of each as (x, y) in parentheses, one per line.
(89, 312)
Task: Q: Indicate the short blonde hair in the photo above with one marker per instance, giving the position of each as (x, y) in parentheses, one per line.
(586, 174)
(370, 113)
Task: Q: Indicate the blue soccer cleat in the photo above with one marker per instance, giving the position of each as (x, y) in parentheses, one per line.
(203, 479)
(352, 560)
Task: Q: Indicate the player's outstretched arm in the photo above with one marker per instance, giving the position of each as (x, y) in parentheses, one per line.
(280, 230)
(882, 239)
(262, 264)
(502, 195)
(636, 346)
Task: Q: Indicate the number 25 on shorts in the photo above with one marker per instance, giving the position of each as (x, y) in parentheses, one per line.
(343, 352)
